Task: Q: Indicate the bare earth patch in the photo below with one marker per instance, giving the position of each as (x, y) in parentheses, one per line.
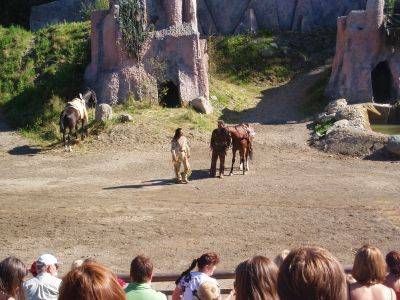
(112, 202)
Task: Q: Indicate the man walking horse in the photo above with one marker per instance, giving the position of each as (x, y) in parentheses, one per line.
(240, 137)
(220, 143)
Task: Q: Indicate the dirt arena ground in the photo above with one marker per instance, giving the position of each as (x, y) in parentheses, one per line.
(113, 204)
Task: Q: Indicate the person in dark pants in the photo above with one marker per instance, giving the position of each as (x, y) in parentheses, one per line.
(220, 143)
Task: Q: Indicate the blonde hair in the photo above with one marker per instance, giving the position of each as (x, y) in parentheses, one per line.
(311, 273)
(208, 291)
(278, 260)
(369, 266)
(76, 264)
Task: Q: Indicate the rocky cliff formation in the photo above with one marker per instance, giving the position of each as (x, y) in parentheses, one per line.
(173, 68)
(365, 68)
(229, 16)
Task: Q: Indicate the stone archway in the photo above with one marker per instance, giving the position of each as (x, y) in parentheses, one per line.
(382, 82)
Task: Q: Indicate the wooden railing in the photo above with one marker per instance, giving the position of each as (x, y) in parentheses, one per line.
(219, 275)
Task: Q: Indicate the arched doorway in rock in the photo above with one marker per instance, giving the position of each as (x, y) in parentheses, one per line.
(382, 83)
(168, 94)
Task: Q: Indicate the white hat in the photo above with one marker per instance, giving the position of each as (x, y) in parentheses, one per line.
(47, 260)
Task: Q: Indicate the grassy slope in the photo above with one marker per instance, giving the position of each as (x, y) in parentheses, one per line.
(45, 69)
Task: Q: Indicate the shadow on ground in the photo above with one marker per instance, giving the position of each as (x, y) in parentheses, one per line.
(196, 175)
(382, 155)
(278, 105)
(25, 150)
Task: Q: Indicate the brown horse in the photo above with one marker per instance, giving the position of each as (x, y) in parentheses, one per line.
(75, 112)
(242, 139)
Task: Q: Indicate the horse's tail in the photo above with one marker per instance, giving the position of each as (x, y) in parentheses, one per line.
(62, 116)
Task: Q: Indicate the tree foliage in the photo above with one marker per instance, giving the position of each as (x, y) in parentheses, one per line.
(133, 26)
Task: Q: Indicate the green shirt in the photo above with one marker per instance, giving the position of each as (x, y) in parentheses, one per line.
(142, 291)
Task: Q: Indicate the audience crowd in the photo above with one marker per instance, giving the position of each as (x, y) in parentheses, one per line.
(309, 273)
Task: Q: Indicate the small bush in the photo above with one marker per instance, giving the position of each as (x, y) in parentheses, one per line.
(321, 129)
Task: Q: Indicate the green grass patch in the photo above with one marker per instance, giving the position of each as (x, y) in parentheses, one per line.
(321, 129)
(43, 71)
(268, 58)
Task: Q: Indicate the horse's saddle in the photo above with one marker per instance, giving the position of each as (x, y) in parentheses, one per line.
(80, 106)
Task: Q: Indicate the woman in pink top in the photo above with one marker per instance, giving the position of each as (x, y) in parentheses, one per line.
(393, 278)
(369, 270)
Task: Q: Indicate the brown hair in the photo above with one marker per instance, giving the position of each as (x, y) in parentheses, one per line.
(256, 279)
(141, 269)
(210, 258)
(91, 281)
(369, 266)
(311, 273)
(12, 273)
(393, 262)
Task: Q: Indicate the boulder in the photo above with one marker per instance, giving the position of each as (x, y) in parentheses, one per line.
(202, 105)
(341, 124)
(334, 106)
(103, 112)
(393, 145)
(352, 141)
(357, 115)
(124, 118)
(323, 118)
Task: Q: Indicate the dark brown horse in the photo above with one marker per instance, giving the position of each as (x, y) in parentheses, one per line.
(75, 112)
(242, 139)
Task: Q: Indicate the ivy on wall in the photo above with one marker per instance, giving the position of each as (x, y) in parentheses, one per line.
(392, 22)
(133, 26)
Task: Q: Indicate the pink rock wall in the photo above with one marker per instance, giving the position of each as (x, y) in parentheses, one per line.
(360, 47)
(174, 54)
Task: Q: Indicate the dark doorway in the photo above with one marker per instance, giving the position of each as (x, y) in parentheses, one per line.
(382, 83)
(168, 95)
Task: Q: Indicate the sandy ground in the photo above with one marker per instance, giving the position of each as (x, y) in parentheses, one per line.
(112, 203)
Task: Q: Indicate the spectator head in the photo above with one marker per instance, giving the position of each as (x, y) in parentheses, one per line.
(393, 262)
(91, 281)
(206, 264)
(369, 266)
(256, 278)
(221, 124)
(33, 269)
(47, 263)
(311, 273)
(209, 290)
(12, 274)
(76, 264)
(141, 269)
(278, 260)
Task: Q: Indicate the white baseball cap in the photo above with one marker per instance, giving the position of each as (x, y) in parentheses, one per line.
(47, 260)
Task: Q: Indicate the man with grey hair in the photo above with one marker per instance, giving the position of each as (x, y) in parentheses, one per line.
(45, 285)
